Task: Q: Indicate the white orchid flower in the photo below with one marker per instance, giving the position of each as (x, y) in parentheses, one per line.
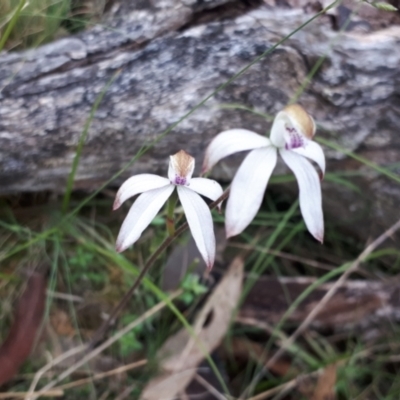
(155, 191)
(291, 136)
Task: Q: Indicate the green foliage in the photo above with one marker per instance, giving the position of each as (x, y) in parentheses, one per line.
(81, 259)
(192, 288)
(25, 24)
(130, 342)
(82, 268)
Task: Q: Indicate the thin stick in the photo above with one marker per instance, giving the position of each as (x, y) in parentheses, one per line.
(322, 303)
(100, 333)
(105, 345)
(209, 387)
(102, 375)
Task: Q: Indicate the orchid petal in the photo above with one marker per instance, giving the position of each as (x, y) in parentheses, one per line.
(207, 187)
(230, 142)
(310, 192)
(314, 152)
(138, 184)
(142, 212)
(247, 190)
(200, 222)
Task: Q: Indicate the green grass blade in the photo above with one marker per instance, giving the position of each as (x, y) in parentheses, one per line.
(11, 24)
(365, 161)
(82, 139)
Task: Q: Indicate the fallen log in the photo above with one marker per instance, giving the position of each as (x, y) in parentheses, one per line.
(172, 54)
(364, 308)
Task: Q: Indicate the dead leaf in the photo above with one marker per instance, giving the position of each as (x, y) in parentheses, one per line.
(27, 321)
(181, 354)
(325, 388)
(169, 384)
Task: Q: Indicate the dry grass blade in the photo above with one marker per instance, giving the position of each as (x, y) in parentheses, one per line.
(210, 388)
(182, 353)
(51, 364)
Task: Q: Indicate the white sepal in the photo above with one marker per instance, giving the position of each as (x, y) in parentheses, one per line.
(230, 142)
(142, 212)
(200, 222)
(310, 192)
(207, 187)
(138, 184)
(247, 189)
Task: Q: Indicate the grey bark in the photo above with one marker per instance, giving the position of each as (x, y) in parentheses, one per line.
(170, 55)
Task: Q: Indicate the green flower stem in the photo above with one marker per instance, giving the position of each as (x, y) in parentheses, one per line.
(170, 213)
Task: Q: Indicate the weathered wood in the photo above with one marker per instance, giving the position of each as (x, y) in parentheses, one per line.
(366, 308)
(171, 54)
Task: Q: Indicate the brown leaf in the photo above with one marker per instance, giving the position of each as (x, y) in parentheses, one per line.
(27, 320)
(181, 354)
